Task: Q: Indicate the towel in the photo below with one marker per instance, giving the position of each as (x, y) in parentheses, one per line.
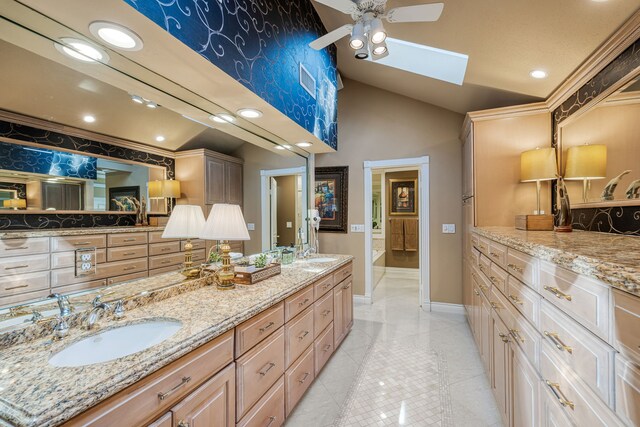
(411, 235)
(397, 235)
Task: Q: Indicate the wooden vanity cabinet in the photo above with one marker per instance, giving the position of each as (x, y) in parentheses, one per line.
(342, 310)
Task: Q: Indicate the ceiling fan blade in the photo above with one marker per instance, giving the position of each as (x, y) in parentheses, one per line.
(419, 13)
(331, 37)
(344, 6)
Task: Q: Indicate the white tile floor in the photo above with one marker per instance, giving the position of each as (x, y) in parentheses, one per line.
(401, 365)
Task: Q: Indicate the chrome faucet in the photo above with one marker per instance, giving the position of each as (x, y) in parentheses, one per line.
(94, 315)
(63, 304)
(61, 327)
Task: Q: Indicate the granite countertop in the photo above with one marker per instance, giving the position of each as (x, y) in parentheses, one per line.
(34, 393)
(22, 234)
(610, 258)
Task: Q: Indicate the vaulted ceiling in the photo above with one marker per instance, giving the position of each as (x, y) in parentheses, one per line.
(505, 41)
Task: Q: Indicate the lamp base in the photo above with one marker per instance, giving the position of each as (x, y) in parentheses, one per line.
(189, 271)
(563, 229)
(226, 274)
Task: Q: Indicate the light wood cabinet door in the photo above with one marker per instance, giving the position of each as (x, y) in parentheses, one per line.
(525, 394)
(338, 316)
(500, 366)
(475, 315)
(485, 332)
(233, 183)
(211, 405)
(347, 306)
(214, 184)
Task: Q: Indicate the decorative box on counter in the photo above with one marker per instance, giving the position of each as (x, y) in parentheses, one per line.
(250, 275)
(534, 222)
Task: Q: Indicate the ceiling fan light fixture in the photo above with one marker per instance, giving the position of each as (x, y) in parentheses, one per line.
(358, 37)
(378, 34)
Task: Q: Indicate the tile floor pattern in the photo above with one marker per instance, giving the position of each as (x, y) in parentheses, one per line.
(428, 363)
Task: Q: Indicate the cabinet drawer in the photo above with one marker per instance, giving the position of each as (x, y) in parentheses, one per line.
(323, 348)
(259, 327)
(127, 278)
(627, 325)
(25, 264)
(475, 240)
(627, 391)
(138, 402)
(523, 267)
(498, 278)
(322, 313)
(498, 254)
(164, 421)
(258, 370)
(71, 243)
(28, 282)
(269, 411)
(126, 252)
(160, 261)
(29, 246)
(68, 259)
(342, 273)
(482, 282)
(526, 336)
(483, 245)
(500, 305)
(298, 335)
(323, 286)
(127, 239)
(82, 286)
(156, 237)
(66, 276)
(163, 270)
(578, 401)
(475, 256)
(297, 379)
(164, 248)
(195, 243)
(198, 256)
(584, 299)
(298, 302)
(485, 266)
(20, 298)
(588, 356)
(524, 299)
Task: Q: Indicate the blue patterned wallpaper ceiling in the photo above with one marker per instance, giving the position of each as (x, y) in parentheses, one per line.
(260, 43)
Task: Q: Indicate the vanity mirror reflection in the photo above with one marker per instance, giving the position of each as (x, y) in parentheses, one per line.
(128, 130)
(601, 149)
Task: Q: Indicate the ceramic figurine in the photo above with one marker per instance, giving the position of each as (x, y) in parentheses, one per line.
(607, 193)
(143, 211)
(564, 213)
(633, 190)
(119, 205)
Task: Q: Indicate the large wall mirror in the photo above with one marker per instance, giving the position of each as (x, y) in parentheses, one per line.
(121, 104)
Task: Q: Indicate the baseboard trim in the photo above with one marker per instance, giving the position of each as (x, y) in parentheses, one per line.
(445, 307)
(413, 273)
(361, 299)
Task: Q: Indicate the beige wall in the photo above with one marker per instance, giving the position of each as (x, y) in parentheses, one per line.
(286, 209)
(399, 259)
(374, 124)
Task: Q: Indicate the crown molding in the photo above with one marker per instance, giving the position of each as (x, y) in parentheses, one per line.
(200, 152)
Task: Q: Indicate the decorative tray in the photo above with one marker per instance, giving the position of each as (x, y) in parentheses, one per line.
(252, 275)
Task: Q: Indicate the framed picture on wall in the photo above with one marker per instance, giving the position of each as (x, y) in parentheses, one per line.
(120, 198)
(403, 196)
(331, 198)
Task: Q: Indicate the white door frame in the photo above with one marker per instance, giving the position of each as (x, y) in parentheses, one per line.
(422, 164)
(264, 199)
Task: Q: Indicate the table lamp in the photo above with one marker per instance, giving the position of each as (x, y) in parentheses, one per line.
(586, 162)
(225, 222)
(538, 165)
(186, 222)
(165, 189)
(15, 203)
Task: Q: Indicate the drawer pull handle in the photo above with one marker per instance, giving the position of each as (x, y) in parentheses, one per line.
(304, 378)
(129, 268)
(304, 334)
(183, 424)
(268, 367)
(516, 268)
(165, 249)
(163, 396)
(327, 347)
(267, 326)
(493, 280)
(516, 335)
(553, 336)
(131, 239)
(128, 253)
(325, 313)
(81, 243)
(16, 267)
(165, 262)
(346, 286)
(494, 305)
(495, 255)
(557, 292)
(271, 420)
(18, 248)
(16, 287)
(483, 288)
(476, 292)
(300, 304)
(504, 337)
(516, 300)
(555, 388)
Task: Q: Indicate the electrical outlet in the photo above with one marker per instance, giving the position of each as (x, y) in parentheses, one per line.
(357, 228)
(251, 226)
(448, 228)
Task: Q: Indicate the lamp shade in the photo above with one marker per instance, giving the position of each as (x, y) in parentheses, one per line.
(171, 189)
(225, 222)
(15, 203)
(155, 190)
(538, 165)
(185, 222)
(586, 162)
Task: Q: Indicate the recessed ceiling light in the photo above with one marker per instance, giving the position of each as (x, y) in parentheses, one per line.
(137, 99)
(279, 147)
(250, 113)
(160, 138)
(116, 35)
(538, 74)
(304, 144)
(151, 104)
(222, 118)
(81, 50)
(89, 118)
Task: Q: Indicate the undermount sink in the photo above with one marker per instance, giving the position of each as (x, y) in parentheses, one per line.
(115, 343)
(326, 259)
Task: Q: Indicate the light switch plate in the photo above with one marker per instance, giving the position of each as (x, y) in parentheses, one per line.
(251, 226)
(448, 228)
(357, 228)
(289, 224)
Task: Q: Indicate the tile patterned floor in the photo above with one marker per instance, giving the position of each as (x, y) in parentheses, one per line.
(401, 365)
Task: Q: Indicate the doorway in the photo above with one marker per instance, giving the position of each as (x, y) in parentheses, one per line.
(403, 218)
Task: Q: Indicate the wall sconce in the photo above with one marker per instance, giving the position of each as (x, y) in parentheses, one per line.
(15, 203)
(165, 189)
(586, 162)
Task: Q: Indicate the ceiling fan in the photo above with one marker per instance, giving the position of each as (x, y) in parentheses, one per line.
(368, 36)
